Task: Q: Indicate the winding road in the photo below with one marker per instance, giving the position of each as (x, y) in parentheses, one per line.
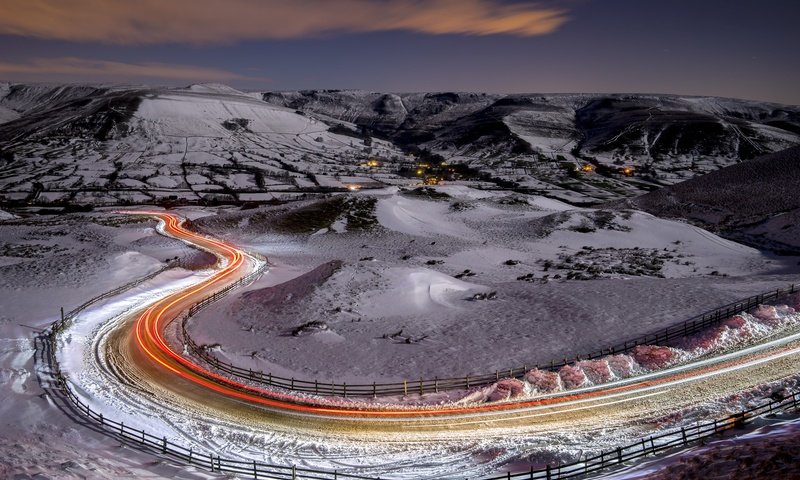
(143, 355)
(153, 353)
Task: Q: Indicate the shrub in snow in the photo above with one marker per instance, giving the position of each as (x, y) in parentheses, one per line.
(309, 328)
(785, 309)
(736, 321)
(572, 377)
(653, 356)
(794, 301)
(597, 371)
(508, 388)
(543, 381)
(621, 366)
(767, 314)
(714, 337)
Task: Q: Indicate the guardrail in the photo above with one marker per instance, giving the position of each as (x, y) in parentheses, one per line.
(435, 385)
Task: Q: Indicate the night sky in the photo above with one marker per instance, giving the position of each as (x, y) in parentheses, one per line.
(732, 48)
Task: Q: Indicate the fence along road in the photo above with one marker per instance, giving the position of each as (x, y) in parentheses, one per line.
(783, 356)
(436, 385)
(653, 445)
(166, 365)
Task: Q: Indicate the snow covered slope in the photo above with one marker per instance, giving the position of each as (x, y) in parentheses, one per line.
(756, 202)
(132, 145)
(407, 293)
(537, 141)
(208, 143)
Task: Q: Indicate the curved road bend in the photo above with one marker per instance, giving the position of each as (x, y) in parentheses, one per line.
(140, 352)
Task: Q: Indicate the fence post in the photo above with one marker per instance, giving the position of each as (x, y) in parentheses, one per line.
(142, 435)
(190, 454)
(548, 472)
(255, 470)
(211, 461)
(374, 390)
(344, 389)
(619, 454)
(101, 416)
(164, 445)
(436, 384)
(467, 381)
(405, 387)
(683, 434)
(294, 472)
(122, 428)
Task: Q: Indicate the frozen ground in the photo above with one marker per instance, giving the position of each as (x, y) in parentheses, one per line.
(391, 284)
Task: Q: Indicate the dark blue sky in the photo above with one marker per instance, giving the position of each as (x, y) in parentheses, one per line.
(736, 48)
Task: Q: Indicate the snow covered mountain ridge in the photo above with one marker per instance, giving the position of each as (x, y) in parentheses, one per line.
(104, 144)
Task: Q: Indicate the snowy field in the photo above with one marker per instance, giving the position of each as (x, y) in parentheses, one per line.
(395, 280)
(391, 284)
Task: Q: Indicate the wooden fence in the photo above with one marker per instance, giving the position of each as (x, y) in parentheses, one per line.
(435, 385)
(653, 445)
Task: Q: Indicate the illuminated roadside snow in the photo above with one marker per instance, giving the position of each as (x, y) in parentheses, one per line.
(738, 331)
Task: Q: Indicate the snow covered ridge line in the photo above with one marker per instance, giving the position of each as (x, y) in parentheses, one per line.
(160, 446)
(508, 381)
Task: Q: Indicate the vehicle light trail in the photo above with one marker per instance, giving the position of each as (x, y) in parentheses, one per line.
(150, 326)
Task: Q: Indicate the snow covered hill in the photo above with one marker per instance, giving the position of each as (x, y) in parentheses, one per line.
(755, 202)
(538, 141)
(211, 143)
(202, 143)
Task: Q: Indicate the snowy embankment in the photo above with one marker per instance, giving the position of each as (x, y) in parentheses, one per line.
(735, 332)
(769, 451)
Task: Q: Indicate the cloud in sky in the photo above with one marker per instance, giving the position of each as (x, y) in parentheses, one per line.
(79, 69)
(228, 21)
